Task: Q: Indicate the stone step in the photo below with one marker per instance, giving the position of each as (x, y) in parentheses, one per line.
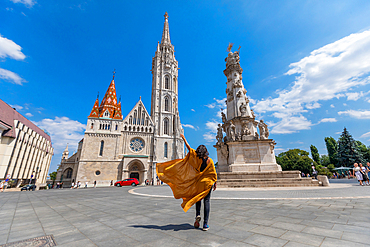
(268, 182)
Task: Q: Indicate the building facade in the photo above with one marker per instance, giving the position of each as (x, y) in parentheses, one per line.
(25, 149)
(116, 147)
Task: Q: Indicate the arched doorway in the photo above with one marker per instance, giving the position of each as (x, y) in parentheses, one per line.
(66, 177)
(136, 169)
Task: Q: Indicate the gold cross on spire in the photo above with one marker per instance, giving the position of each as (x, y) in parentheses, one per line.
(114, 73)
(229, 47)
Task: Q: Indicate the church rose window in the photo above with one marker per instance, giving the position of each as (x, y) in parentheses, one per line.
(136, 144)
(97, 173)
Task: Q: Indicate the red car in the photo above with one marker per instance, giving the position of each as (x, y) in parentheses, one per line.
(129, 181)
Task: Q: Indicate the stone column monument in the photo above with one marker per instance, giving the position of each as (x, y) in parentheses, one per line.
(245, 152)
(242, 149)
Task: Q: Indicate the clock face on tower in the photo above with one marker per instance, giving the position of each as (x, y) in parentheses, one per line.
(136, 144)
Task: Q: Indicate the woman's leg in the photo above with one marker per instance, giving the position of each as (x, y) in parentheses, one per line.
(207, 207)
(197, 208)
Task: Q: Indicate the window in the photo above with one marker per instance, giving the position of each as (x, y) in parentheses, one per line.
(165, 126)
(166, 104)
(108, 126)
(101, 148)
(100, 127)
(146, 122)
(166, 83)
(136, 144)
(92, 125)
(130, 120)
(166, 150)
(69, 173)
(142, 119)
(97, 173)
(135, 116)
(116, 126)
(138, 116)
(106, 113)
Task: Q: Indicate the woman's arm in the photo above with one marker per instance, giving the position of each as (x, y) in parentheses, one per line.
(186, 143)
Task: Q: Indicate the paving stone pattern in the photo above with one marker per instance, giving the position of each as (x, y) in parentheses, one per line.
(111, 216)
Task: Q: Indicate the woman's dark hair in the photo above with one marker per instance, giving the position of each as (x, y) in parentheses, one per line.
(202, 151)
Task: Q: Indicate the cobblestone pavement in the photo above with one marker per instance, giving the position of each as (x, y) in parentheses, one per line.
(112, 216)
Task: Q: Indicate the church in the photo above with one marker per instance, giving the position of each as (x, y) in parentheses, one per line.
(116, 147)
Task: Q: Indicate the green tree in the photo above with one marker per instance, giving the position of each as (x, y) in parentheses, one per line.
(53, 176)
(347, 150)
(315, 154)
(332, 147)
(295, 159)
(324, 160)
(364, 151)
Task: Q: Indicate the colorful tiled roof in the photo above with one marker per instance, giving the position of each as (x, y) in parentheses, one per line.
(109, 103)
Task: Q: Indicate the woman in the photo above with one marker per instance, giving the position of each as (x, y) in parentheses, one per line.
(191, 179)
(357, 172)
(365, 179)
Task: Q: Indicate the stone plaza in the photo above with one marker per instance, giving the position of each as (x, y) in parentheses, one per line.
(149, 216)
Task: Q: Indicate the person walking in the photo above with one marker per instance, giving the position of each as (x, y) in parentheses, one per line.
(357, 172)
(86, 184)
(61, 185)
(364, 174)
(111, 183)
(191, 179)
(1, 186)
(94, 183)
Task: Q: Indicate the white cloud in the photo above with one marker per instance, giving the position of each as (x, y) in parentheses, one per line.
(193, 110)
(212, 126)
(328, 120)
(338, 133)
(213, 105)
(17, 107)
(29, 114)
(344, 104)
(332, 106)
(11, 76)
(189, 126)
(62, 131)
(219, 103)
(28, 3)
(10, 49)
(356, 114)
(354, 96)
(326, 73)
(314, 105)
(367, 134)
(209, 137)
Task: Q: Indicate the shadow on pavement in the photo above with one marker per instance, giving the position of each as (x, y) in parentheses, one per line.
(180, 227)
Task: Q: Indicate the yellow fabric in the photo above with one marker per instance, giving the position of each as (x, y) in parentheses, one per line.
(186, 180)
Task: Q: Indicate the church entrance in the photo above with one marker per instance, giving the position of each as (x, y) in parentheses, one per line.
(136, 169)
(134, 175)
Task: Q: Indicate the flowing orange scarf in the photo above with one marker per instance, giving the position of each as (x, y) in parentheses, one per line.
(186, 180)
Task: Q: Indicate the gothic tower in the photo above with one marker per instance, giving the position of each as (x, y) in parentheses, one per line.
(164, 105)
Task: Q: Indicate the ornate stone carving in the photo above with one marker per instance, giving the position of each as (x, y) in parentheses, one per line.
(224, 150)
(272, 146)
(231, 135)
(252, 112)
(264, 133)
(239, 94)
(239, 136)
(243, 109)
(219, 136)
(223, 117)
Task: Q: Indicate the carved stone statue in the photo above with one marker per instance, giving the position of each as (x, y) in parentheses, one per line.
(238, 83)
(253, 116)
(239, 136)
(219, 136)
(224, 151)
(231, 136)
(223, 117)
(243, 109)
(264, 133)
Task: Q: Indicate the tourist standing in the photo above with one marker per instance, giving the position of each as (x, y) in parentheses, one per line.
(364, 175)
(94, 183)
(1, 186)
(357, 172)
(191, 179)
(111, 183)
(73, 185)
(61, 185)
(86, 184)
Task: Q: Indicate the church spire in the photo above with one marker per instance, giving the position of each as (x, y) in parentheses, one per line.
(95, 109)
(109, 102)
(166, 31)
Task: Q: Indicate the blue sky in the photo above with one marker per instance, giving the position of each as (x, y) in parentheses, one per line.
(306, 63)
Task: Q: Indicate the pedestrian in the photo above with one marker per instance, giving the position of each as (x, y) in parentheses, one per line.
(357, 172)
(73, 185)
(61, 185)
(158, 181)
(1, 186)
(111, 183)
(86, 184)
(365, 179)
(95, 184)
(152, 182)
(191, 179)
(79, 184)
(58, 185)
